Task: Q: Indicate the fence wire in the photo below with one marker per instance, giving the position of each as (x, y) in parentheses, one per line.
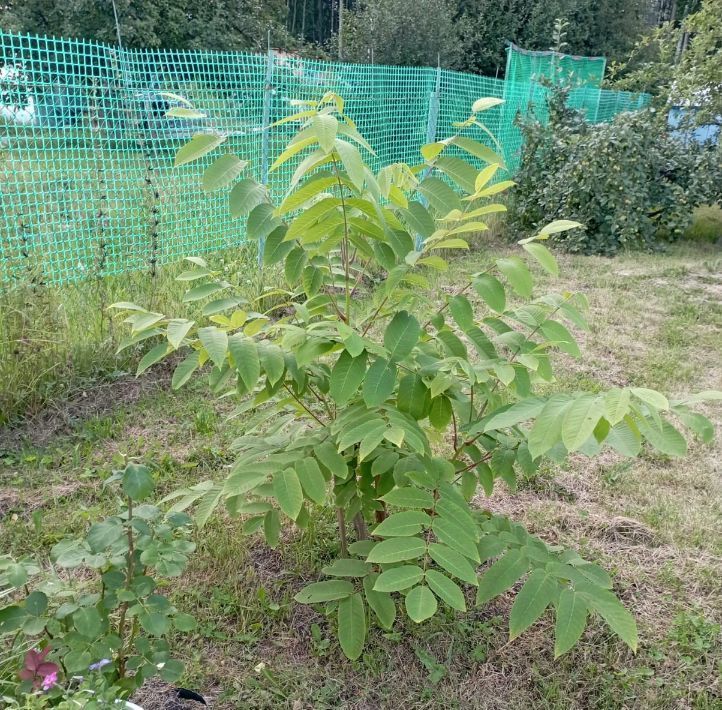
(86, 148)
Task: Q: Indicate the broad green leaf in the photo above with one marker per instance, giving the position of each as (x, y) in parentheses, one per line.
(401, 335)
(447, 590)
(580, 420)
(245, 195)
(501, 576)
(352, 162)
(699, 424)
(346, 567)
(484, 104)
(153, 356)
(408, 497)
(616, 405)
(420, 604)
(440, 196)
(103, 534)
(312, 480)
(288, 492)
(402, 524)
(137, 481)
(538, 592)
(294, 265)
(272, 528)
(651, 397)
(346, 376)
(461, 311)
(326, 591)
(547, 428)
(397, 549)
(215, 341)
(515, 414)
(352, 626)
(398, 578)
(571, 618)
(381, 602)
(561, 337)
(491, 290)
(452, 562)
(478, 150)
(625, 438)
(203, 291)
(261, 221)
(485, 176)
(454, 532)
(379, 382)
(606, 604)
(461, 172)
(543, 256)
(207, 505)
(308, 191)
(222, 172)
(330, 458)
(181, 112)
(197, 147)
(517, 274)
(177, 331)
(325, 127)
(245, 359)
(667, 440)
(559, 225)
(276, 248)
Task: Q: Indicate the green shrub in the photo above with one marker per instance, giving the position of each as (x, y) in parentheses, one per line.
(628, 182)
(706, 224)
(388, 407)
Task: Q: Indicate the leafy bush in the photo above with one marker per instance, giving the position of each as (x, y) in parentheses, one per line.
(112, 633)
(706, 224)
(389, 407)
(629, 183)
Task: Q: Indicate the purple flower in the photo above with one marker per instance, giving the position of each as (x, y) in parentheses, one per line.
(50, 680)
(97, 666)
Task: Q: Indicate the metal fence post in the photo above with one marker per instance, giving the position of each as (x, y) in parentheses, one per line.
(266, 133)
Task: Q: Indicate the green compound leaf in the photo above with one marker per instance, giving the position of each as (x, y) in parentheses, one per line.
(570, 621)
(538, 592)
(420, 604)
(379, 382)
(197, 147)
(409, 497)
(347, 567)
(137, 481)
(327, 591)
(215, 341)
(452, 562)
(398, 578)
(403, 524)
(312, 480)
(352, 625)
(606, 604)
(346, 376)
(502, 575)
(288, 492)
(491, 290)
(517, 275)
(401, 335)
(222, 172)
(447, 590)
(381, 602)
(397, 549)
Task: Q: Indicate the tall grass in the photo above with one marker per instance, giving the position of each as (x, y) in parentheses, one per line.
(57, 340)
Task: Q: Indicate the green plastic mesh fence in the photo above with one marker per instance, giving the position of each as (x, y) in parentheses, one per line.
(523, 66)
(86, 148)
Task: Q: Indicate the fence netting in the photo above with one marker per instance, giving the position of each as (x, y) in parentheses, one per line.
(86, 146)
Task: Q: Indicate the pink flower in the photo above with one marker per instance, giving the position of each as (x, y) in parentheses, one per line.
(50, 680)
(37, 669)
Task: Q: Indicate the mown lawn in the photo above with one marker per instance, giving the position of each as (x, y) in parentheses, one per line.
(655, 523)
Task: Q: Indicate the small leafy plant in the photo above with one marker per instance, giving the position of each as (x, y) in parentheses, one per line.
(388, 405)
(116, 625)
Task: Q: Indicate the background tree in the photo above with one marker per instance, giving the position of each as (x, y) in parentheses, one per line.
(402, 32)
